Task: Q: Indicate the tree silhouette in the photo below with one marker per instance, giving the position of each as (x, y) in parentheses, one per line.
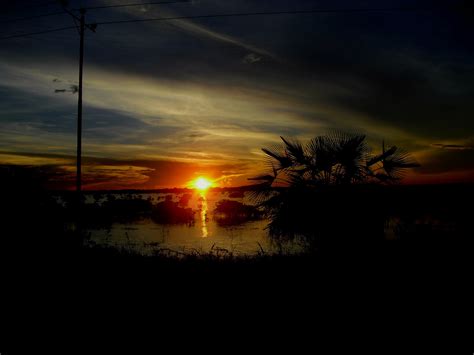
(334, 159)
(326, 188)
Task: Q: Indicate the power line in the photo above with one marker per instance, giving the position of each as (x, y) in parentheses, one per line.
(94, 8)
(91, 27)
(135, 4)
(38, 32)
(268, 13)
(241, 14)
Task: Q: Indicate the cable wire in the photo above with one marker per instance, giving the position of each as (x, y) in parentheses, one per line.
(269, 13)
(38, 32)
(18, 19)
(135, 4)
(241, 14)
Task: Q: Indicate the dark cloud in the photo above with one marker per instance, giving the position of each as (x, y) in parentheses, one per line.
(251, 58)
(449, 160)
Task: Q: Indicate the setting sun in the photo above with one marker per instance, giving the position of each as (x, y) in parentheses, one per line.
(202, 183)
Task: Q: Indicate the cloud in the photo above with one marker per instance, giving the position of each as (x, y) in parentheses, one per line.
(178, 90)
(194, 29)
(453, 146)
(251, 58)
(106, 173)
(130, 117)
(133, 116)
(413, 93)
(204, 32)
(445, 160)
(14, 158)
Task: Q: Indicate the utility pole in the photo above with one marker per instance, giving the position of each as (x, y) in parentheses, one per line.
(81, 29)
(79, 111)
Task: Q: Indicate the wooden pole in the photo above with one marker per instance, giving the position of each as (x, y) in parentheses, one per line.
(79, 111)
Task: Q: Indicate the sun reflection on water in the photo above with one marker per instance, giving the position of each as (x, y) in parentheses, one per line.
(204, 231)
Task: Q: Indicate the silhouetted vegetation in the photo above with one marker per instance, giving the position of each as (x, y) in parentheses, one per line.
(184, 200)
(228, 213)
(331, 195)
(112, 210)
(335, 215)
(236, 194)
(169, 212)
(34, 225)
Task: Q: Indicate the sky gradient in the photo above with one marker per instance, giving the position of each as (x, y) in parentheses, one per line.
(166, 102)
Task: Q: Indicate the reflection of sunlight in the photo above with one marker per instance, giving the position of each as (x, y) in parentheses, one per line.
(204, 215)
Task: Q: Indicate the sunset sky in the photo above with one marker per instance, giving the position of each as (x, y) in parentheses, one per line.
(166, 102)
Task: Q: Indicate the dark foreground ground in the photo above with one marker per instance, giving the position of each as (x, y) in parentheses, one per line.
(414, 294)
(384, 300)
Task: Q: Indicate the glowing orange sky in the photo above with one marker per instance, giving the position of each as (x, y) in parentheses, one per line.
(103, 174)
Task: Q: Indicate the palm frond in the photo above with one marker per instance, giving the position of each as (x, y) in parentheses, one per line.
(380, 157)
(351, 154)
(295, 150)
(261, 194)
(282, 159)
(396, 164)
(322, 154)
(384, 177)
(263, 178)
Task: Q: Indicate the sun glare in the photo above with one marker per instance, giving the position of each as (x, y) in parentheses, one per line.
(202, 183)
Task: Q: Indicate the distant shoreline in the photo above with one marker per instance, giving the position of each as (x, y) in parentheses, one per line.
(255, 187)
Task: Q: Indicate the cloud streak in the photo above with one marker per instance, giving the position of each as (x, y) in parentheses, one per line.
(210, 93)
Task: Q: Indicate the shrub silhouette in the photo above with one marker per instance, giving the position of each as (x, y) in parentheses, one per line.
(184, 200)
(122, 210)
(228, 212)
(236, 194)
(169, 212)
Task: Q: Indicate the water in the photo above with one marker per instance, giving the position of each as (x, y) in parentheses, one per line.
(203, 236)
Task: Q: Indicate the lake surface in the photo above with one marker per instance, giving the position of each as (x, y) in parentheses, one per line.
(203, 236)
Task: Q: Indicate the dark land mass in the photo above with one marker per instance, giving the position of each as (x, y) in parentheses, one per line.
(424, 273)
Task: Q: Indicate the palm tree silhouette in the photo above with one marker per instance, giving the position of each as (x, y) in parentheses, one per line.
(334, 159)
(326, 187)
